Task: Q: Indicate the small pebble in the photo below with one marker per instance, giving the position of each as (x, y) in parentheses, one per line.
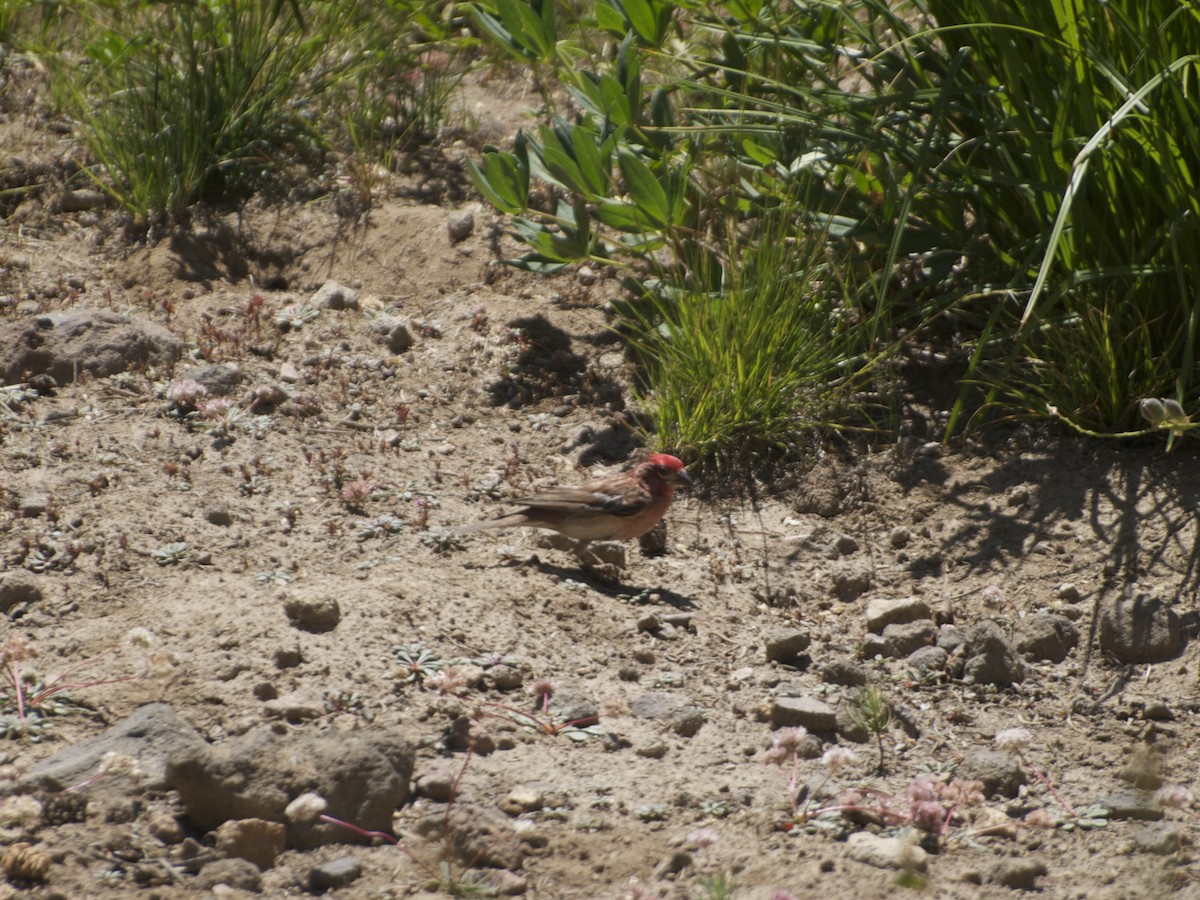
(340, 872)
(460, 225)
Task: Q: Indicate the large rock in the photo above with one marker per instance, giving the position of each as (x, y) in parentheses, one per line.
(255, 776)
(885, 611)
(807, 712)
(886, 852)
(787, 645)
(92, 341)
(1045, 636)
(680, 714)
(1138, 628)
(991, 658)
(1000, 773)
(150, 736)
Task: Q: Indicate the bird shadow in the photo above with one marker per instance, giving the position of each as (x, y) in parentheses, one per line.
(634, 594)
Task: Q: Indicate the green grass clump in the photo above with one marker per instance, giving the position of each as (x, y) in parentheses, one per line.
(1032, 171)
(1088, 145)
(208, 102)
(737, 371)
(183, 102)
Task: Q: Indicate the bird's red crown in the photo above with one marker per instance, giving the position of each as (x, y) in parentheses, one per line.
(666, 461)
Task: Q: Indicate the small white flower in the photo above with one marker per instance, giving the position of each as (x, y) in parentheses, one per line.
(836, 757)
(1014, 740)
(703, 838)
(186, 391)
(140, 637)
(992, 596)
(305, 808)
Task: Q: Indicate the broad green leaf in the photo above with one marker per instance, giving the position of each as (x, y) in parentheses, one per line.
(594, 168)
(647, 194)
(758, 152)
(643, 20)
(621, 216)
(503, 180)
(610, 20)
(557, 160)
(498, 32)
(533, 263)
(555, 246)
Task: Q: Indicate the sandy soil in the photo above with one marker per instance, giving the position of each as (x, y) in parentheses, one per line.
(347, 489)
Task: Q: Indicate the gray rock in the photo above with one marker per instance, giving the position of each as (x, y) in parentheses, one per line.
(150, 736)
(504, 883)
(927, 659)
(34, 506)
(851, 582)
(843, 672)
(884, 611)
(81, 200)
(656, 749)
(1158, 711)
(335, 874)
(1138, 628)
(885, 853)
(436, 784)
(296, 706)
(391, 331)
(234, 873)
(1068, 592)
(787, 645)
(682, 716)
(991, 659)
(901, 640)
(460, 224)
(573, 705)
(951, 637)
(362, 780)
(256, 840)
(503, 678)
(1018, 874)
(316, 614)
(332, 295)
(92, 341)
(1045, 636)
(1000, 773)
(221, 381)
(1131, 803)
(477, 835)
(522, 799)
(649, 622)
(218, 515)
(18, 587)
(808, 712)
(1160, 839)
(844, 544)
(899, 537)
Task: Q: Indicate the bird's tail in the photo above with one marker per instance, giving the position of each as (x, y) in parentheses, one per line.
(508, 521)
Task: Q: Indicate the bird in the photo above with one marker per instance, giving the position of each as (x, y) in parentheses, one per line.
(616, 508)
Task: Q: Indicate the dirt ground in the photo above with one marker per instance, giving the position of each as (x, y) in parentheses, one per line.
(177, 549)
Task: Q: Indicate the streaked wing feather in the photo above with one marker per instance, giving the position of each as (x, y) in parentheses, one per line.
(576, 500)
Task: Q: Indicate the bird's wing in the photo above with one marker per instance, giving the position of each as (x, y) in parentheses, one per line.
(582, 500)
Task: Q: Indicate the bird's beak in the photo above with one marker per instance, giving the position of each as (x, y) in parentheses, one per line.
(684, 477)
